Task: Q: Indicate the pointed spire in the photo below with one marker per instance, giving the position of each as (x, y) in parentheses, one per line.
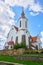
(23, 15)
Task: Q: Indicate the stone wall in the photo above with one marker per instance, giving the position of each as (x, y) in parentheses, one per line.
(17, 55)
(6, 52)
(29, 58)
(12, 52)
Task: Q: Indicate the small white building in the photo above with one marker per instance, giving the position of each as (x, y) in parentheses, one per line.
(21, 34)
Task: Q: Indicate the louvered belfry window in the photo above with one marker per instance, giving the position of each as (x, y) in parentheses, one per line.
(20, 23)
(26, 24)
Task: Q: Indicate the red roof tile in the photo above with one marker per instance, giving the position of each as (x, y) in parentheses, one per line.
(16, 28)
(33, 39)
(10, 43)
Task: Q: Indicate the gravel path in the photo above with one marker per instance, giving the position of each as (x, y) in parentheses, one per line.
(8, 63)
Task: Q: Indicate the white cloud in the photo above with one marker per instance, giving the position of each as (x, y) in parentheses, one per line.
(5, 9)
(36, 7)
(6, 20)
(42, 37)
(2, 37)
(23, 3)
(42, 33)
(6, 29)
(16, 2)
(30, 4)
(10, 12)
(33, 13)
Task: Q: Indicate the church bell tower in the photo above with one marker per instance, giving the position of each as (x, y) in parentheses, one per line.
(22, 21)
(23, 34)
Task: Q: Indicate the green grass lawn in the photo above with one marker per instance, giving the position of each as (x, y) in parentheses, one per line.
(34, 54)
(11, 59)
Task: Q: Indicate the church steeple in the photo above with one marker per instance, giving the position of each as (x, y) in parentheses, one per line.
(22, 21)
(22, 15)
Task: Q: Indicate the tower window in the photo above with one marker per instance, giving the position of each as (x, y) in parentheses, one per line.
(11, 38)
(20, 23)
(26, 24)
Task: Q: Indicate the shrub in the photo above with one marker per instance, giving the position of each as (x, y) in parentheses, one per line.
(23, 45)
(20, 45)
(16, 46)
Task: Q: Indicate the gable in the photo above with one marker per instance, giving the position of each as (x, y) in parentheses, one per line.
(33, 39)
(16, 28)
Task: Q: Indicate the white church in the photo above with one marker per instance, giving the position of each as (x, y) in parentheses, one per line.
(21, 34)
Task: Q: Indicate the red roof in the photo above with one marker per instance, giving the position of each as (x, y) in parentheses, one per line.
(33, 39)
(16, 28)
(10, 43)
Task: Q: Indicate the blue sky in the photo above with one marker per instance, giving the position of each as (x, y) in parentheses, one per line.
(10, 11)
(34, 22)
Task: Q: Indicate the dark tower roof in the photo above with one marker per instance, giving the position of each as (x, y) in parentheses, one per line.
(22, 15)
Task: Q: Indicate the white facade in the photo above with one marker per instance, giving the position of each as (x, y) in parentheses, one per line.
(21, 34)
(12, 35)
(39, 42)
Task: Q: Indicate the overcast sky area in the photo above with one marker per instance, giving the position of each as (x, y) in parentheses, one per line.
(10, 11)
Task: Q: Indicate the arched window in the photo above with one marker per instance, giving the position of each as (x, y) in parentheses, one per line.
(17, 39)
(20, 23)
(24, 39)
